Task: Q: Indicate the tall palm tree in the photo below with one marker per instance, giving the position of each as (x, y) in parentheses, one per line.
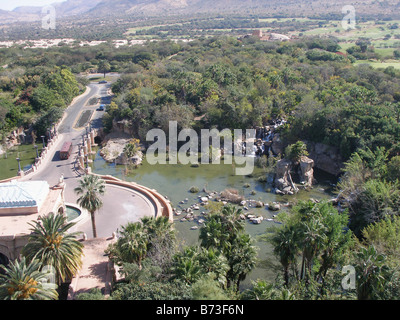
(162, 240)
(186, 265)
(242, 258)
(90, 188)
(52, 245)
(132, 245)
(25, 281)
(372, 273)
(213, 261)
(285, 242)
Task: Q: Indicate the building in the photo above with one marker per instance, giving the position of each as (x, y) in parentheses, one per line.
(269, 37)
(22, 203)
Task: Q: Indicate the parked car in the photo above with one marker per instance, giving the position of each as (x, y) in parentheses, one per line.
(103, 81)
(102, 107)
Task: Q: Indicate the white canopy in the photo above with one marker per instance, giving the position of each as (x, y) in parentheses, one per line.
(17, 194)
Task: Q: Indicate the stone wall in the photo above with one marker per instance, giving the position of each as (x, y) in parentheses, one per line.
(326, 158)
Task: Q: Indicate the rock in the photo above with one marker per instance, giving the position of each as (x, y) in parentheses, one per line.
(286, 190)
(306, 171)
(282, 169)
(326, 158)
(194, 228)
(274, 206)
(259, 204)
(277, 145)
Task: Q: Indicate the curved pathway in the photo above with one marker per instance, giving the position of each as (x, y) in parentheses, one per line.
(121, 205)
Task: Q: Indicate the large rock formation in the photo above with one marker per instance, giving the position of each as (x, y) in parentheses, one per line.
(306, 171)
(277, 145)
(113, 151)
(326, 158)
(283, 179)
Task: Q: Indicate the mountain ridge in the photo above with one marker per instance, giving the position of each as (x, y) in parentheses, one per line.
(103, 8)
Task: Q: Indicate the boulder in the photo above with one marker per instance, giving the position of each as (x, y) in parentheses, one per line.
(306, 171)
(274, 206)
(277, 145)
(326, 158)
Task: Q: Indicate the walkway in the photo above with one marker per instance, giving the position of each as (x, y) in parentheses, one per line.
(121, 204)
(96, 269)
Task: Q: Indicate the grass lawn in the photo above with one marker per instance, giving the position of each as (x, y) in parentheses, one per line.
(9, 164)
(376, 64)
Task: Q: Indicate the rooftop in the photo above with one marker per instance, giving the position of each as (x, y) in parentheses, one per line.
(17, 194)
(19, 224)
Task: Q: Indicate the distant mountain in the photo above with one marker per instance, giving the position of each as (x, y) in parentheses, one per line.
(102, 8)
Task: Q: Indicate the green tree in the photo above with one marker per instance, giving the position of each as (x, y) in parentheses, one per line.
(53, 245)
(25, 281)
(224, 231)
(208, 288)
(371, 273)
(133, 243)
(104, 67)
(90, 188)
(294, 152)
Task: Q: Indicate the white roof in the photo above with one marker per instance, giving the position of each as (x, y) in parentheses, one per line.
(17, 194)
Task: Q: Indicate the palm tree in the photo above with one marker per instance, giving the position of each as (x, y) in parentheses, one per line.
(162, 239)
(104, 66)
(372, 273)
(186, 265)
(213, 261)
(25, 281)
(91, 187)
(222, 227)
(242, 258)
(285, 242)
(52, 245)
(224, 231)
(132, 245)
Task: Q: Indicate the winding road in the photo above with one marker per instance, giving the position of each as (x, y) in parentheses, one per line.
(119, 205)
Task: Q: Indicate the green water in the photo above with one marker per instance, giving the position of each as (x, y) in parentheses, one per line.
(72, 213)
(9, 164)
(174, 182)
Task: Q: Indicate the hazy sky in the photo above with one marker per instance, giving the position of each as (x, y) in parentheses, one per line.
(10, 5)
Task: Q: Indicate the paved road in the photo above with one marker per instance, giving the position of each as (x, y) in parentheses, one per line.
(120, 206)
(53, 167)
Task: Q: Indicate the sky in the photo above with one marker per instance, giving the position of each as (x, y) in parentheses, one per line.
(10, 5)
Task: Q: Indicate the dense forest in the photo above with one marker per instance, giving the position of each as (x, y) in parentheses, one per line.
(223, 82)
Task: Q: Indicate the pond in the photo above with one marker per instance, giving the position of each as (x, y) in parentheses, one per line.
(174, 182)
(72, 213)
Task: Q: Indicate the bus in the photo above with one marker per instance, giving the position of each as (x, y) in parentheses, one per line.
(66, 150)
